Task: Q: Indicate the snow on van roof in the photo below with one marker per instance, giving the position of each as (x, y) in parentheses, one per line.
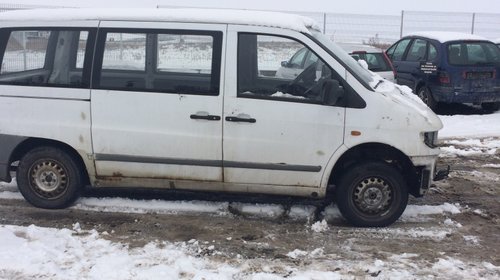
(244, 17)
(444, 37)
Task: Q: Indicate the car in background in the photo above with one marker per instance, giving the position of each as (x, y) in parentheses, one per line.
(376, 59)
(448, 67)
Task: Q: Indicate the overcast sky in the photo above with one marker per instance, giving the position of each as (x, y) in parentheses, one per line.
(388, 7)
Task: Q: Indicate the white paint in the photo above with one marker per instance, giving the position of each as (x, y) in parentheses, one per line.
(257, 18)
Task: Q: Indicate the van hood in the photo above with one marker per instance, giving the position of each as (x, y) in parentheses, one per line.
(403, 96)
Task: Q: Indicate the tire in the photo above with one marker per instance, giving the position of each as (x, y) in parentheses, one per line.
(372, 194)
(491, 106)
(425, 94)
(49, 178)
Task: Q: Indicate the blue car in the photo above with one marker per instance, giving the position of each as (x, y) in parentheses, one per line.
(448, 67)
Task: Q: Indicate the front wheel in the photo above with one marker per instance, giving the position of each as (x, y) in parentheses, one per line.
(372, 194)
(49, 177)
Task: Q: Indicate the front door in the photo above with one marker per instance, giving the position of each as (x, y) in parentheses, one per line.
(276, 130)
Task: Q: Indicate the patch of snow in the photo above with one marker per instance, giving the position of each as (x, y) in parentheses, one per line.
(470, 126)
(450, 222)
(413, 211)
(491, 165)
(363, 63)
(126, 205)
(320, 226)
(287, 95)
(301, 212)
(297, 254)
(444, 36)
(10, 195)
(471, 239)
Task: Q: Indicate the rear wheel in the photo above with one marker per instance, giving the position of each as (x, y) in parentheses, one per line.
(372, 194)
(425, 94)
(491, 106)
(49, 178)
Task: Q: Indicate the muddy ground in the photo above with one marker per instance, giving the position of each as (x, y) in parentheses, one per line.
(471, 236)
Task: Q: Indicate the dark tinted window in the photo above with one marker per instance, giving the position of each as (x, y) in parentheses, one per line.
(45, 57)
(181, 62)
(432, 53)
(473, 53)
(417, 50)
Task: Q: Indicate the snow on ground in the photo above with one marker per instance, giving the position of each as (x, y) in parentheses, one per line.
(462, 126)
(85, 254)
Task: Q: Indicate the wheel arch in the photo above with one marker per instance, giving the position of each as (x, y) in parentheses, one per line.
(375, 152)
(31, 143)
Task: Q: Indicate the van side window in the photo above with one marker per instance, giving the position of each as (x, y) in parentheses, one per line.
(417, 50)
(125, 51)
(170, 61)
(44, 58)
(268, 69)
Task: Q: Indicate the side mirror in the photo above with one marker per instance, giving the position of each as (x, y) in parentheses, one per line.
(284, 64)
(332, 92)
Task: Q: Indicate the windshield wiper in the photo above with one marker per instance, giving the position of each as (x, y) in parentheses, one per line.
(379, 82)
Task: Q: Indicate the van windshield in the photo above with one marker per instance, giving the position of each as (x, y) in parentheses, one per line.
(473, 53)
(363, 75)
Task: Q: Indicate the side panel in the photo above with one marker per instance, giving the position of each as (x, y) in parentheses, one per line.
(157, 135)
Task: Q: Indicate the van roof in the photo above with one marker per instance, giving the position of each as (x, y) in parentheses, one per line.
(223, 16)
(443, 36)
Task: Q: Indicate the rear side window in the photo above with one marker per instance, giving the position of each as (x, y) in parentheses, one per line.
(170, 61)
(48, 57)
(432, 53)
(473, 53)
(376, 62)
(125, 51)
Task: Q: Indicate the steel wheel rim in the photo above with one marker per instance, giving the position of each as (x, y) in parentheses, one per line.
(48, 179)
(423, 95)
(373, 196)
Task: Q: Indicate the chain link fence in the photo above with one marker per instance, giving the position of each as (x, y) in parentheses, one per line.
(386, 29)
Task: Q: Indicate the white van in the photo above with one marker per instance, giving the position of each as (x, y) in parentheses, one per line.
(189, 99)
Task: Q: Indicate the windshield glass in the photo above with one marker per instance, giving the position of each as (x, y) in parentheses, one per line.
(350, 63)
(473, 53)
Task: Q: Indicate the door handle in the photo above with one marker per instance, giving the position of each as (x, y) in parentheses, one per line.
(205, 117)
(238, 119)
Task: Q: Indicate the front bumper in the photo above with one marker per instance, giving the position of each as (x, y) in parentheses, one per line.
(427, 173)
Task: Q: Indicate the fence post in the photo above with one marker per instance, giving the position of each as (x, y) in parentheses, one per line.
(324, 23)
(473, 22)
(402, 21)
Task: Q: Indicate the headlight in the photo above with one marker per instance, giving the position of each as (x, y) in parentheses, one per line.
(430, 139)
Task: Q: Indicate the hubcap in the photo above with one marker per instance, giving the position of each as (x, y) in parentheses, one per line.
(48, 179)
(373, 195)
